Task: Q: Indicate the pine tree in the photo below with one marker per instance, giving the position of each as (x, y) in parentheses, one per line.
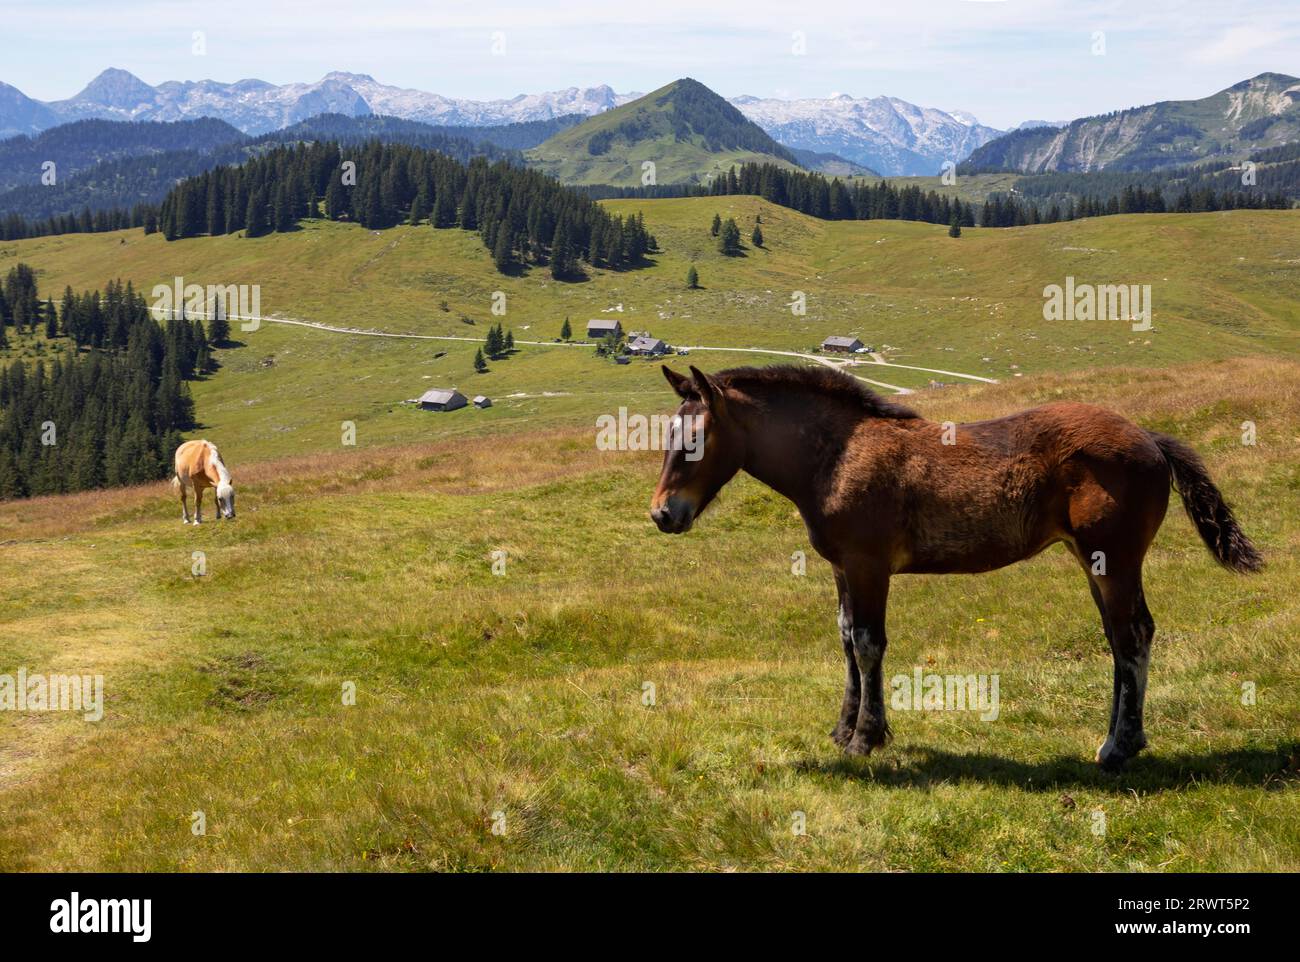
(255, 219)
(444, 210)
(419, 208)
(51, 320)
(218, 326)
(692, 278)
(510, 341)
(729, 238)
(954, 229)
(283, 209)
(336, 199)
(566, 332)
(502, 255)
(562, 258)
(717, 225)
(480, 365)
(757, 237)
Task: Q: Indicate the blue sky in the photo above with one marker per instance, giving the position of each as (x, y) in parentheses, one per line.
(1002, 60)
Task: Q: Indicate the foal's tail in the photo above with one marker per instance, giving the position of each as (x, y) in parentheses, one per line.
(1206, 507)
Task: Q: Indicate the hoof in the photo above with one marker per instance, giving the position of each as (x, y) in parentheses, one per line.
(1109, 759)
(863, 743)
(1113, 758)
(842, 735)
(858, 746)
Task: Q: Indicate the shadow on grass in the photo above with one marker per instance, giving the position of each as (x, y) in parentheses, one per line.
(1270, 768)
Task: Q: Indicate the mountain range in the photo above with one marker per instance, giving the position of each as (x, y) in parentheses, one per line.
(596, 135)
(882, 133)
(257, 107)
(1256, 114)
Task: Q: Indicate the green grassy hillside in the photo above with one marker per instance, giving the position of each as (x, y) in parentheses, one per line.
(1223, 284)
(516, 700)
(686, 131)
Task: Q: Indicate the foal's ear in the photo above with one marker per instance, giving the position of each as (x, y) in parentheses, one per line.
(683, 385)
(709, 389)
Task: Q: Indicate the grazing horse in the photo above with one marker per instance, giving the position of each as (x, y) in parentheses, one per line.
(199, 465)
(884, 492)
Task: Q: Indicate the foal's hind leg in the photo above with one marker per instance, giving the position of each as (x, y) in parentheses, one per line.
(1100, 602)
(843, 731)
(1131, 630)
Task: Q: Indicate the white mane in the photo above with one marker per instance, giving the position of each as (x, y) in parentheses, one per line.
(223, 473)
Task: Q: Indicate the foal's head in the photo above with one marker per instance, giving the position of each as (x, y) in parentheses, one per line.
(694, 471)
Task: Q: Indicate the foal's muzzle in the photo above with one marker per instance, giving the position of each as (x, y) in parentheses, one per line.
(674, 516)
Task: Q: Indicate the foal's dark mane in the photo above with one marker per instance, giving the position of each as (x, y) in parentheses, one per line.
(820, 380)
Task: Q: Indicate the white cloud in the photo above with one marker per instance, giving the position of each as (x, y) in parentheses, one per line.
(1236, 44)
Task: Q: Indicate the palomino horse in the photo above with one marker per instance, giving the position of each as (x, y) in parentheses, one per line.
(884, 492)
(199, 465)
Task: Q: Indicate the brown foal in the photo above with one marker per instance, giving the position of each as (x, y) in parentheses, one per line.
(884, 492)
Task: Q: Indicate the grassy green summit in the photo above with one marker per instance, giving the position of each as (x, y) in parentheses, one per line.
(686, 130)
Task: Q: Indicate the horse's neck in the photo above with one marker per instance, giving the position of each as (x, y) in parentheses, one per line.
(223, 475)
(787, 453)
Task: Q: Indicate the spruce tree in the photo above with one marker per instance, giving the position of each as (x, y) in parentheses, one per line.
(757, 237)
(717, 225)
(283, 209)
(566, 332)
(218, 326)
(255, 219)
(561, 253)
(502, 255)
(729, 238)
(480, 365)
(692, 278)
(419, 208)
(336, 199)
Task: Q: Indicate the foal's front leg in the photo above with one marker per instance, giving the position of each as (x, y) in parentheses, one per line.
(868, 594)
(843, 731)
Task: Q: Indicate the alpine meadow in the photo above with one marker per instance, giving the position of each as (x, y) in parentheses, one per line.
(563, 448)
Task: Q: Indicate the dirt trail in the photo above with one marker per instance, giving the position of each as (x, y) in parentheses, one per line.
(846, 364)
